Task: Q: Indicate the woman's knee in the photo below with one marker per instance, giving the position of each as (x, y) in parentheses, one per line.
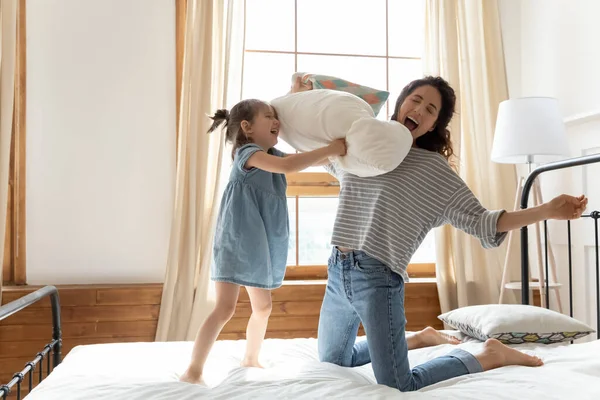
(334, 358)
(326, 355)
(334, 353)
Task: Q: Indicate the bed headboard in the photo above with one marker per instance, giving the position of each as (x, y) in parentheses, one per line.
(595, 215)
(55, 346)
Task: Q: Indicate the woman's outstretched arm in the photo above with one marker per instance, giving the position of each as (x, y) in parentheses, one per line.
(563, 207)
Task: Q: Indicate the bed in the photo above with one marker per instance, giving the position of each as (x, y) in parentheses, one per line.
(151, 370)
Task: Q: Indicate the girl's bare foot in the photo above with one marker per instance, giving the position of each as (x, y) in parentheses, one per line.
(191, 377)
(251, 364)
(431, 337)
(496, 355)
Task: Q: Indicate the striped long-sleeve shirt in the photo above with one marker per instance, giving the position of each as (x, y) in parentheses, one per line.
(389, 215)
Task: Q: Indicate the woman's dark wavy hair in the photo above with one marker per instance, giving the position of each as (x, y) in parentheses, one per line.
(438, 140)
(245, 110)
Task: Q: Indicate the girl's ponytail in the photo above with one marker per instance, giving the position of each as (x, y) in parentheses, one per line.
(220, 116)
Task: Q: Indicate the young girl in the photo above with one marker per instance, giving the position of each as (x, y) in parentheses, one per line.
(251, 239)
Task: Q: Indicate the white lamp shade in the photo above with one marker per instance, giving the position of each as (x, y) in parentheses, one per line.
(529, 129)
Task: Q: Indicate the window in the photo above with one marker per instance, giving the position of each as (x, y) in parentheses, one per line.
(351, 39)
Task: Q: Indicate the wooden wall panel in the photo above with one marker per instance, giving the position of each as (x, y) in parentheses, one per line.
(296, 308)
(89, 315)
(93, 314)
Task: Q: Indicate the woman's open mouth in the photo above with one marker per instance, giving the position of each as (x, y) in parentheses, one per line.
(411, 123)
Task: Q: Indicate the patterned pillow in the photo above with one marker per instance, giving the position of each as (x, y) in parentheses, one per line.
(374, 97)
(515, 324)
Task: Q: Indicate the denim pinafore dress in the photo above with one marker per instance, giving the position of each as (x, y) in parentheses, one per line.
(252, 234)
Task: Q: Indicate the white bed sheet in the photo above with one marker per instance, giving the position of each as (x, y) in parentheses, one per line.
(150, 371)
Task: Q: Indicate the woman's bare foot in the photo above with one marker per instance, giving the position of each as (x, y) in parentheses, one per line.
(191, 377)
(251, 364)
(430, 337)
(496, 355)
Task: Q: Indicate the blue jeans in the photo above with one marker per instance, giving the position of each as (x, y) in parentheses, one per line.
(362, 289)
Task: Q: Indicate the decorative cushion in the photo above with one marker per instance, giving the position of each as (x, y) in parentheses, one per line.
(515, 324)
(373, 97)
(312, 119)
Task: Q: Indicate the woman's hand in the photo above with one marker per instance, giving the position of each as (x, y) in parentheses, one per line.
(565, 207)
(300, 86)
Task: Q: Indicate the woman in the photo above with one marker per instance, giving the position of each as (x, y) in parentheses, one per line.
(381, 222)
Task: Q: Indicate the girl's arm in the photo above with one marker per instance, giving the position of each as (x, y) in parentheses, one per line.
(322, 163)
(295, 162)
(562, 207)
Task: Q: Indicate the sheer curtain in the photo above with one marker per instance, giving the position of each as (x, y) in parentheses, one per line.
(464, 45)
(211, 79)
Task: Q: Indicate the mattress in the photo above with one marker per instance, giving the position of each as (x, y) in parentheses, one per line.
(150, 371)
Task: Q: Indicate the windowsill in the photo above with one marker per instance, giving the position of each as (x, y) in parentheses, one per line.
(304, 282)
(11, 287)
(412, 281)
(319, 272)
(422, 280)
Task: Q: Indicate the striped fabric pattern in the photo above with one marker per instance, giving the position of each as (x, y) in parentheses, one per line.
(389, 215)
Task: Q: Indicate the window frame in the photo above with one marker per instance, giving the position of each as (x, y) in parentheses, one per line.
(388, 106)
(308, 184)
(322, 184)
(14, 260)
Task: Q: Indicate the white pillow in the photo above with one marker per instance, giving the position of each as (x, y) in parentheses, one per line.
(312, 119)
(515, 324)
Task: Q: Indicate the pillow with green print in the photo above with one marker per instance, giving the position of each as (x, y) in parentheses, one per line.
(375, 98)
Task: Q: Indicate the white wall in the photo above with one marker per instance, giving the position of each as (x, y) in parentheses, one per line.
(510, 23)
(550, 50)
(100, 139)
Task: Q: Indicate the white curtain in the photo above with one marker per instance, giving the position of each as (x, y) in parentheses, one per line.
(211, 79)
(8, 45)
(464, 45)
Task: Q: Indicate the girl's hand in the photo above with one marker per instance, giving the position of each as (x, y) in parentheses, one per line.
(338, 147)
(566, 207)
(300, 86)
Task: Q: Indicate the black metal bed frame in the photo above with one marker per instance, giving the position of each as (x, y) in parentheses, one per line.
(55, 345)
(595, 215)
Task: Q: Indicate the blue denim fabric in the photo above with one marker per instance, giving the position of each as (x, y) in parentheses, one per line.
(362, 289)
(252, 235)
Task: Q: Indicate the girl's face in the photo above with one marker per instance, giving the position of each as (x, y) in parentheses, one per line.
(264, 128)
(420, 110)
